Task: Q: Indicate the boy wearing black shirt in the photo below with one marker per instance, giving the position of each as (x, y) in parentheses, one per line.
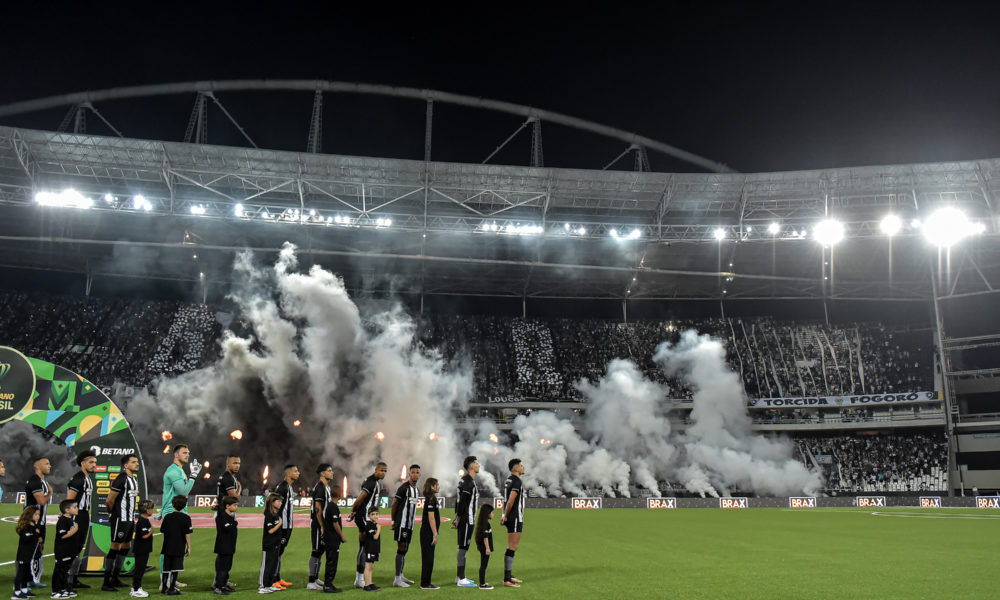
(176, 530)
(142, 548)
(66, 547)
(225, 544)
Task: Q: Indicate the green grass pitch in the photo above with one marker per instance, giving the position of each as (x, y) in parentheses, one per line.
(687, 554)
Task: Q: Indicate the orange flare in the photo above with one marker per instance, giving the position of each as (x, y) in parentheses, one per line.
(380, 436)
(494, 438)
(296, 422)
(166, 436)
(433, 436)
(166, 449)
(344, 494)
(236, 434)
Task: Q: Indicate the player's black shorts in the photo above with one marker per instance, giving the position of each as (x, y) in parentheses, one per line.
(318, 539)
(371, 550)
(173, 563)
(286, 535)
(513, 525)
(402, 534)
(465, 531)
(121, 531)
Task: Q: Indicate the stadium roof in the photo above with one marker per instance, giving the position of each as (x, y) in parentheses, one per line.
(486, 229)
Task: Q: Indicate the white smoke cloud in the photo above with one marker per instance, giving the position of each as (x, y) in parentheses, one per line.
(312, 359)
(315, 358)
(721, 450)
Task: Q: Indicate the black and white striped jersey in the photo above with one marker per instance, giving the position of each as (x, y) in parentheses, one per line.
(84, 488)
(468, 500)
(373, 487)
(36, 484)
(287, 512)
(127, 487)
(513, 484)
(406, 500)
(320, 494)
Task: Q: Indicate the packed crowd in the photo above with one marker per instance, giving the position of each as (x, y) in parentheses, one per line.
(889, 462)
(133, 341)
(126, 340)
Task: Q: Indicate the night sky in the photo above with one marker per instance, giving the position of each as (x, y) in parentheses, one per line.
(758, 86)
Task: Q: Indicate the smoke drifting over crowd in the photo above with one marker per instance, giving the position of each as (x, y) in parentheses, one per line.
(314, 359)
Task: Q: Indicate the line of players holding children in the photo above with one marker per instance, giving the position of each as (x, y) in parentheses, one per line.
(131, 528)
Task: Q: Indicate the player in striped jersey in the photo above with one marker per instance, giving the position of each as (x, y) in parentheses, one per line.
(81, 489)
(121, 503)
(404, 509)
(37, 492)
(465, 516)
(287, 494)
(368, 498)
(327, 535)
(513, 518)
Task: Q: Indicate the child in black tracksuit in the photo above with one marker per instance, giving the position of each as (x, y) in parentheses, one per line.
(66, 548)
(176, 530)
(29, 536)
(225, 544)
(484, 542)
(142, 547)
(271, 543)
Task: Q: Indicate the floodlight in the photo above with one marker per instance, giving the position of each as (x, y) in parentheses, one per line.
(829, 232)
(915, 223)
(109, 198)
(719, 233)
(979, 228)
(312, 212)
(773, 228)
(139, 202)
(749, 228)
(68, 198)
(197, 209)
(566, 226)
(238, 209)
(947, 226)
(581, 231)
(613, 233)
(635, 234)
(891, 224)
(493, 226)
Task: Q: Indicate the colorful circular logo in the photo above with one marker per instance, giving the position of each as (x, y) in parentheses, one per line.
(17, 382)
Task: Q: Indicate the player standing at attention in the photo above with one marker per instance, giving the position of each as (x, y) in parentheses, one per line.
(404, 510)
(37, 492)
(327, 535)
(368, 498)
(176, 483)
(121, 518)
(228, 486)
(287, 493)
(81, 489)
(513, 518)
(430, 525)
(465, 516)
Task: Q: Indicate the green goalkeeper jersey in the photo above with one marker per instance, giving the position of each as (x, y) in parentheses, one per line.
(175, 483)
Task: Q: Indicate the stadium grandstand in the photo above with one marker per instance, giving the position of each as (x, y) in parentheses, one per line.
(857, 305)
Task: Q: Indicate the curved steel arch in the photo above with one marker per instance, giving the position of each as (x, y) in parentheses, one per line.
(310, 85)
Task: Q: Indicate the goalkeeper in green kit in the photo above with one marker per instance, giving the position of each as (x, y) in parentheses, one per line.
(177, 483)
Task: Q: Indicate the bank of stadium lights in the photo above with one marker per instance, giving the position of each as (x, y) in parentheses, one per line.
(381, 223)
(947, 226)
(828, 232)
(68, 198)
(139, 202)
(719, 234)
(890, 225)
(198, 209)
(774, 229)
